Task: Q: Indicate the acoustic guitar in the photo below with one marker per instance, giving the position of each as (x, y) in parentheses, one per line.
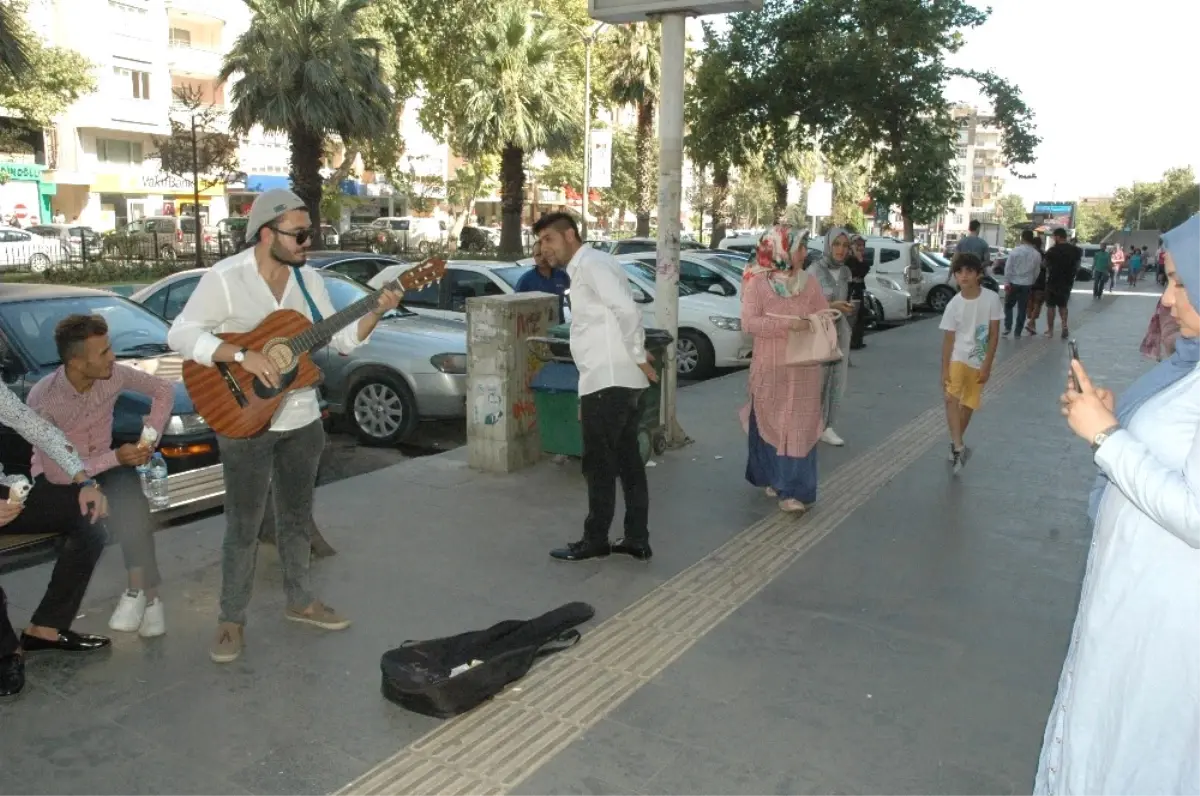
(238, 404)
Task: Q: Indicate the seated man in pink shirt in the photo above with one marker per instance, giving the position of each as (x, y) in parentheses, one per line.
(79, 398)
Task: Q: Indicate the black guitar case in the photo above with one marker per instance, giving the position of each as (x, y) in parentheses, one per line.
(444, 677)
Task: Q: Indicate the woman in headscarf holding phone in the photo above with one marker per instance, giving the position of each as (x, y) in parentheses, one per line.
(783, 417)
(833, 275)
(1127, 716)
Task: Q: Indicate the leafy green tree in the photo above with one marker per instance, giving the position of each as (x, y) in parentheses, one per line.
(633, 79)
(308, 69)
(37, 83)
(1013, 215)
(512, 101)
(1158, 205)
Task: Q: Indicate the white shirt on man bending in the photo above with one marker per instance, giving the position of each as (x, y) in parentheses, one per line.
(233, 297)
(607, 339)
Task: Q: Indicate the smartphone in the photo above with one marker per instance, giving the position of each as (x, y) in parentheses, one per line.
(1074, 349)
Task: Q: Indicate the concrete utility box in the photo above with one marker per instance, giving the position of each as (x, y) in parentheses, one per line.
(502, 430)
(618, 12)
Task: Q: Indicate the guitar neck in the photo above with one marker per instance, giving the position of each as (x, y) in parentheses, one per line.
(321, 333)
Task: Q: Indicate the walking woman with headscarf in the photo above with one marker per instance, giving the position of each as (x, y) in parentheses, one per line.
(1127, 716)
(833, 275)
(783, 417)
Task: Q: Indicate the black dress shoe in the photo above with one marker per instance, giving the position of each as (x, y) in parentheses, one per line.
(67, 641)
(639, 550)
(12, 675)
(582, 551)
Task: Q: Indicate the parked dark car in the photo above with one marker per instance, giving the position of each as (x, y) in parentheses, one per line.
(28, 315)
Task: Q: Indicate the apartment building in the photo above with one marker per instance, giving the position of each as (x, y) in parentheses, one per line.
(980, 166)
(99, 157)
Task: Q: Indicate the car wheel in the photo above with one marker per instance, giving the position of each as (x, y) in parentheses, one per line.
(166, 253)
(876, 320)
(939, 297)
(39, 263)
(694, 356)
(382, 409)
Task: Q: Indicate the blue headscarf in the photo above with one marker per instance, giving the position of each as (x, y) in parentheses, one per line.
(1183, 244)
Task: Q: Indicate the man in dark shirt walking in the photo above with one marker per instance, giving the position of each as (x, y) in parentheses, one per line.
(973, 244)
(1062, 264)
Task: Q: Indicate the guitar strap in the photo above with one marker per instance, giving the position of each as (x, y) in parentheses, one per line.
(312, 305)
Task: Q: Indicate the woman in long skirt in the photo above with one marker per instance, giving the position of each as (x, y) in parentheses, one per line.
(783, 416)
(833, 275)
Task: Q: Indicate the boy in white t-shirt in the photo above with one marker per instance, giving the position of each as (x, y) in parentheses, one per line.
(972, 326)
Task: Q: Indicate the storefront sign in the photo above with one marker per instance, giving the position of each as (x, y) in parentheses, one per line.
(167, 183)
(158, 183)
(28, 172)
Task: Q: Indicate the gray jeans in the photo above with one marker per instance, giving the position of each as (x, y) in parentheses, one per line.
(288, 462)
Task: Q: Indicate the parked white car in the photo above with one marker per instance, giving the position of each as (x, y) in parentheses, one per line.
(710, 327)
(19, 249)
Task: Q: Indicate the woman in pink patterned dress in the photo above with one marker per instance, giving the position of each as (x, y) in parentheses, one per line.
(783, 417)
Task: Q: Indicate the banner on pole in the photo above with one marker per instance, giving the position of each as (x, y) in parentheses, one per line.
(820, 199)
(601, 160)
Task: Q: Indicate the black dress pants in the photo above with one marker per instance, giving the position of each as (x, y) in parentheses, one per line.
(610, 419)
(52, 508)
(858, 292)
(8, 637)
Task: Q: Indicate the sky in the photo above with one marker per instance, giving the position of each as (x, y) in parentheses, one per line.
(1108, 84)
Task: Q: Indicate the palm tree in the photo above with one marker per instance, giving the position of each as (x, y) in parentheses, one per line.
(515, 101)
(14, 56)
(307, 70)
(634, 80)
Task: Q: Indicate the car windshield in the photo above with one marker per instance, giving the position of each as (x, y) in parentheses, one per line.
(133, 330)
(344, 291)
(512, 274)
(645, 271)
(936, 259)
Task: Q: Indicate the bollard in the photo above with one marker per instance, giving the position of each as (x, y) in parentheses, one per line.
(502, 430)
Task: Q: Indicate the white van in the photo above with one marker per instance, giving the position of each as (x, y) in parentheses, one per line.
(899, 259)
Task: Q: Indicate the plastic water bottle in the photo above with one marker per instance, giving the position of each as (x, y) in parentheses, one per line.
(143, 471)
(157, 483)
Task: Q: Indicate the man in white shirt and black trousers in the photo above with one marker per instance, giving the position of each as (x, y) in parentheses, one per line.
(280, 465)
(608, 345)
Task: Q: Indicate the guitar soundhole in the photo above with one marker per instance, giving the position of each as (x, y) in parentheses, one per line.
(283, 358)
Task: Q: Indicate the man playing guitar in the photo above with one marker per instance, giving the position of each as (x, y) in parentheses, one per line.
(234, 296)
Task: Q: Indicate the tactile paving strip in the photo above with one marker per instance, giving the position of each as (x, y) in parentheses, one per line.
(499, 744)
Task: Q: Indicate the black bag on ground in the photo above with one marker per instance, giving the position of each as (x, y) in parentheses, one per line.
(427, 676)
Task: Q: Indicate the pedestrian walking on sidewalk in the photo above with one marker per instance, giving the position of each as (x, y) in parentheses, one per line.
(859, 268)
(609, 348)
(833, 276)
(1135, 266)
(1062, 266)
(783, 418)
(971, 324)
(1101, 267)
(1118, 261)
(1020, 272)
(1126, 719)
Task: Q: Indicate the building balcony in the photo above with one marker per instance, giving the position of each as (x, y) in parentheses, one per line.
(193, 61)
(198, 10)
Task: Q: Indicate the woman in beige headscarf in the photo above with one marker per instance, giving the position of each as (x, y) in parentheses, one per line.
(833, 275)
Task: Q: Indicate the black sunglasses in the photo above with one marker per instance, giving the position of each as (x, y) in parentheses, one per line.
(302, 236)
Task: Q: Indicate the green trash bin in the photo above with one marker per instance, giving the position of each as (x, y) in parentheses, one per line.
(556, 399)
(652, 438)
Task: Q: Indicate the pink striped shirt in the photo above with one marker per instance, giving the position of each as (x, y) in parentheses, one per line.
(86, 418)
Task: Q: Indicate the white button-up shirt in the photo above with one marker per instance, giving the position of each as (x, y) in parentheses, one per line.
(233, 297)
(1023, 265)
(607, 340)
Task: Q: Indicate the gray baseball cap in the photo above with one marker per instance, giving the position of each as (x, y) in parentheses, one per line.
(268, 207)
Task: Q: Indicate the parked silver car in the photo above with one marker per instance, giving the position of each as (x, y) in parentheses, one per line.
(413, 368)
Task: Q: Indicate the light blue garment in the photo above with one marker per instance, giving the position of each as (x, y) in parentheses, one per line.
(1183, 242)
(1126, 719)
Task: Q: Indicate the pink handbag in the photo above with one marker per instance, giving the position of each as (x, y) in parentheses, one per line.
(817, 345)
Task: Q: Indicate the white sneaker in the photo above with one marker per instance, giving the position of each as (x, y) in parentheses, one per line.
(154, 623)
(128, 616)
(830, 437)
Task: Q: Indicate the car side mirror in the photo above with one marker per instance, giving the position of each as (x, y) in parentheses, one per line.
(640, 296)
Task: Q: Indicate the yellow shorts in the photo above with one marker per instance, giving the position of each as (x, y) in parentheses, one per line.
(964, 385)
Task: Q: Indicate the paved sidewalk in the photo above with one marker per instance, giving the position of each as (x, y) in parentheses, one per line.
(904, 637)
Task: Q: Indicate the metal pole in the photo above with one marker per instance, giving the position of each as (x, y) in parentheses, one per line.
(670, 189)
(587, 129)
(198, 233)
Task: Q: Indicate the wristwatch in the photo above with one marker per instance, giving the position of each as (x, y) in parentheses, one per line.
(240, 356)
(1103, 436)
(89, 482)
